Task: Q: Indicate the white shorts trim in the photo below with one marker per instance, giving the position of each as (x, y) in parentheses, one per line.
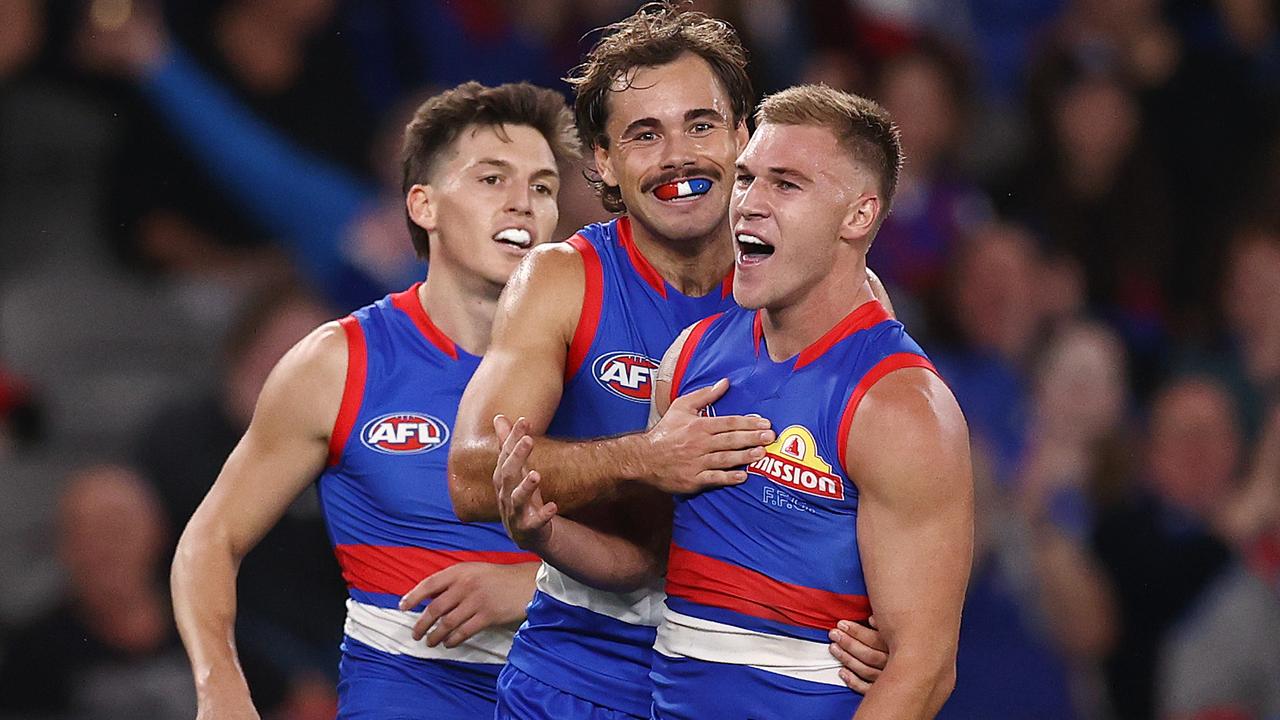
(391, 631)
(638, 607)
(684, 636)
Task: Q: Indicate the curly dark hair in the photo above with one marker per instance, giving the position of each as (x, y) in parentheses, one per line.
(656, 34)
(438, 122)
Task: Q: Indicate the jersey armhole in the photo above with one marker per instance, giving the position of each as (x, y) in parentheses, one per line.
(592, 300)
(352, 389)
(686, 354)
(896, 361)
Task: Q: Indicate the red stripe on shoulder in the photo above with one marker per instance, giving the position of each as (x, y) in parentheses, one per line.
(409, 304)
(592, 299)
(896, 361)
(644, 268)
(686, 353)
(352, 388)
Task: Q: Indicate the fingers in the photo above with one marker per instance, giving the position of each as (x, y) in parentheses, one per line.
(868, 636)
(526, 493)
(854, 683)
(459, 635)
(702, 397)
(512, 466)
(720, 478)
(733, 423)
(429, 587)
(448, 621)
(739, 439)
(860, 647)
(854, 672)
(435, 614)
(501, 427)
(726, 459)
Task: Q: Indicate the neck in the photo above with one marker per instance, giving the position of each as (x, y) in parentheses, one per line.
(462, 307)
(792, 325)
(694, 267)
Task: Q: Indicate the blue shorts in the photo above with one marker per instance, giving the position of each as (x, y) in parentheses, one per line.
(523, 697)
(686, 689)
(374, 684)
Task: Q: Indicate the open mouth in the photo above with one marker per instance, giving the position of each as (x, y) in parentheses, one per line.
(751, 249)
(515, 237)
(682, 189)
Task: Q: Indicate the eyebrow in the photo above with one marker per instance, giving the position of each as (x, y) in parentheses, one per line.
(694, 114)
(504, 165)
(784, 172)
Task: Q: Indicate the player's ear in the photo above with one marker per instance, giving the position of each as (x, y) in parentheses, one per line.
(860, 221)
(741, 136)
(601, 156)
(422, 207)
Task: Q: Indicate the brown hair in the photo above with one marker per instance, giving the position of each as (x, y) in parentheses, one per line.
(862, 127)
(656, 34)
(439, 121)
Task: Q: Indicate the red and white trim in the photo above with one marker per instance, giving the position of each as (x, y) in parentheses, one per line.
(896, 361)
(352, 389)
(592, 301)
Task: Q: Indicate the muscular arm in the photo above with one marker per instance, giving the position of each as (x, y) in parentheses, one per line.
(283, 450)
(620, 561)
(908, 449)
(522, 376)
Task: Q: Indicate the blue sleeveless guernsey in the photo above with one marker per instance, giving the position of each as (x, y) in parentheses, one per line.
(593, 644)
(386, 502)
(759, 572)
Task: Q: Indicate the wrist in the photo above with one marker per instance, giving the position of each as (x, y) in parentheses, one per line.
(633, 453)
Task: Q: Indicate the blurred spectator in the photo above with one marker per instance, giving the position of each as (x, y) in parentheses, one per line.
(1162, 546)
(284, 62)
(1222, 660)
(935, 205)
(344, 232)
(986, 326)
(20, 422)
(1092, 191)
(290, 589)
(109, 649)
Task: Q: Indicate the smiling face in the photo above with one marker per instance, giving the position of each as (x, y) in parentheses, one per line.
(801, 207)
(671, 146)
(489, 199)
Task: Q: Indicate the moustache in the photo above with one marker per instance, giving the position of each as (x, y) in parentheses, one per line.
(671, 176)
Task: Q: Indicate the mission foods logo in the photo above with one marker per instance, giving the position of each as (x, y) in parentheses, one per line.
(625, 374)
(404, 433)
(792, 461)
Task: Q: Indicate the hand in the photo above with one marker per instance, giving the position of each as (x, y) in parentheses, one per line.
(525, 516)
(469, 597)
(131, 44)
(861, 651)
(689, 453)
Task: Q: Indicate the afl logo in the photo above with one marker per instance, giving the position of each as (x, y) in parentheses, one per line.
(404, 433)
(626, 374)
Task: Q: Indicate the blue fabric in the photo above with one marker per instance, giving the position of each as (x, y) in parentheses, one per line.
(381, 686)
(686, 689)
(522, 697)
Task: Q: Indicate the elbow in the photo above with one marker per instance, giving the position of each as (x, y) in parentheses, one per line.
(944, 684)
(468, 504)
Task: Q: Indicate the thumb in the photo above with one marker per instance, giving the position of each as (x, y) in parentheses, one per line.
(703, 397)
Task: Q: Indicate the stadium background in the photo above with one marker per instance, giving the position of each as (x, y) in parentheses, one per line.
(1086, 239)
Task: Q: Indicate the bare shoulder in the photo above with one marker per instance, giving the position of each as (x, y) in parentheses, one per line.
(666, 371)
(909, 419)
(305, 388)
(545, 292)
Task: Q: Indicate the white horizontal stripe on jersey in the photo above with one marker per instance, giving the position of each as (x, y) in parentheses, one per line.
(391, 631)
(680, 635)
(638, 607)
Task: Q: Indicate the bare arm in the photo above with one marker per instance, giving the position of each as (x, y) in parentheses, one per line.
(522, 376)
(908, 448)
(621, 561)
(281, 453)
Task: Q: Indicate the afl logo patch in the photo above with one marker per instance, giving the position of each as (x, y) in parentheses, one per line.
(404, 433)
(626, 374)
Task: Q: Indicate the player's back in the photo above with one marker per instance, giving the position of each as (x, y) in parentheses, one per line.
(385, 497)
(760, 572)
(593, 644)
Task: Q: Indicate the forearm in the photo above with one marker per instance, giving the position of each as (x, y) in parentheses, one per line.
(203, 582)
(574, 474)
(599, 559)
(909, 688)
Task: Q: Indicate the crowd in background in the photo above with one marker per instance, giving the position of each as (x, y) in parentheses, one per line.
(1086, 240)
